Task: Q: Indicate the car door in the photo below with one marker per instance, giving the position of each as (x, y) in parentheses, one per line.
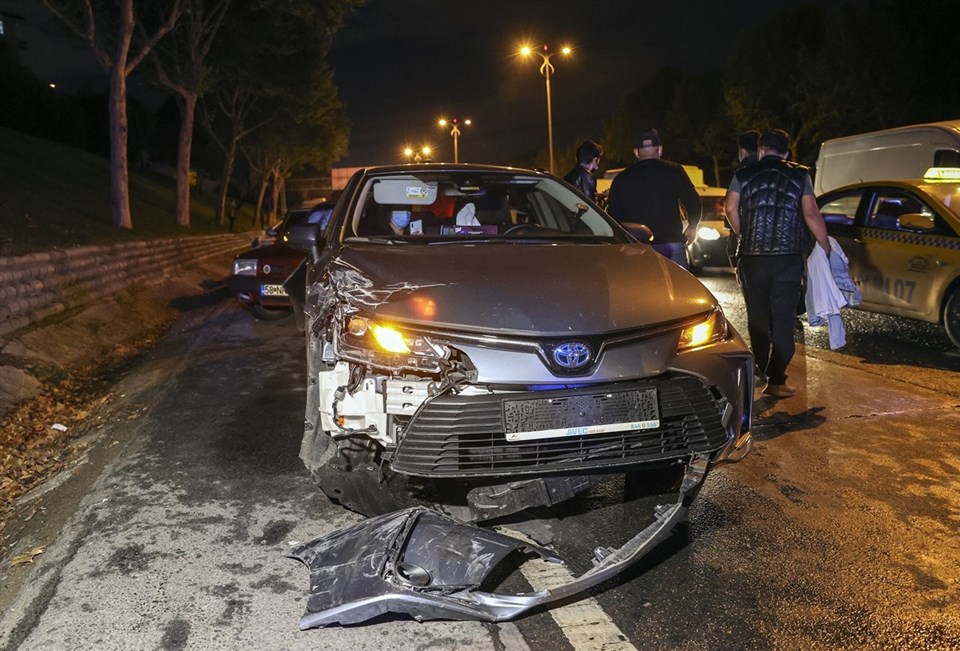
(897, 265)
(842, 213)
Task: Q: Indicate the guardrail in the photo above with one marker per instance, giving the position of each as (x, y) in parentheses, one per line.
(37, 286)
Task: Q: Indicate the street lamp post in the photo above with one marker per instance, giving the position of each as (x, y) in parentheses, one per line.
(546, 69)
(417, 155)
(455, 133)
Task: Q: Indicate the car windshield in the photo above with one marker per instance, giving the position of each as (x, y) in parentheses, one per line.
(431, 206)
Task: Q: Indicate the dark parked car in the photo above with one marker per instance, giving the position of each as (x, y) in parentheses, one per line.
(480, 339)
(258, 273)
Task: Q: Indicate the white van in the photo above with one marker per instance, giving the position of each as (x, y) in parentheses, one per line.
(901, 153)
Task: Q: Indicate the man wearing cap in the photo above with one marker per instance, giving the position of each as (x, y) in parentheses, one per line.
(652, 191)
(771, 206)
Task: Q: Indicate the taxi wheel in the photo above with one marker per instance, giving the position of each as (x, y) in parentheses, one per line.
(951, 316)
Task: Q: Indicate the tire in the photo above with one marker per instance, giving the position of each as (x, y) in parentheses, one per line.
(695, 269)
(270, 313)
(951, 316)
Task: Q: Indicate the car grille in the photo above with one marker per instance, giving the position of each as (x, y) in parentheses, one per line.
(463, 436)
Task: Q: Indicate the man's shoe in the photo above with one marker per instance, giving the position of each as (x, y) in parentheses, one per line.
(779, 390)
(760, 376)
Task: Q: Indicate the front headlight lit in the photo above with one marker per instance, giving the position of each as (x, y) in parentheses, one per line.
(708, 233)
(245, 267)
(379, 344)
(390, 339)
(709, 331)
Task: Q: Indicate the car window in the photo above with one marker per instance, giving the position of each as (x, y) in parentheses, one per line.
(471, 205)
(888, 205)
(841, 209)
(713, 209)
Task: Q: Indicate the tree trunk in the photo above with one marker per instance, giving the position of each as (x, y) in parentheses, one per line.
(119, 173)
(183, 159)
(230, 157)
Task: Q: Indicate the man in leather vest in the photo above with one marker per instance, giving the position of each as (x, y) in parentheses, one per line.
(772, 208)
(581, 176)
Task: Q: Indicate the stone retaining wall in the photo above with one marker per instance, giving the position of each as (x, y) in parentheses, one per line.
(36, 286)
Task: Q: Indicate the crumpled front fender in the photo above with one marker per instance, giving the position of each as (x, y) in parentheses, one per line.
(423, 564)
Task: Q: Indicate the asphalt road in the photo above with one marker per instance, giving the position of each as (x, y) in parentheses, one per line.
(840, 531)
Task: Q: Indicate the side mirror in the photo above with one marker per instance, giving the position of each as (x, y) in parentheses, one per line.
(305, 237)
(915, 221)
(639, 231)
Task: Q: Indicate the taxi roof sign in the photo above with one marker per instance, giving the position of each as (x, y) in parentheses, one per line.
(942, 174)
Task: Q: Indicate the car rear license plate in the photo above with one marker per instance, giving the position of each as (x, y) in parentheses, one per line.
(580, 414)
(273, 290)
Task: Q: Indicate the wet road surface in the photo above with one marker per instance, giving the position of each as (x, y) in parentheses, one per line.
(840, 530)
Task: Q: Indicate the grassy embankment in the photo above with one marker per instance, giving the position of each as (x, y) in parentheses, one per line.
(53, 196)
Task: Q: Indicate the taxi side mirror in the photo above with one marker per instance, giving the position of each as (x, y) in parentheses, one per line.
(915, 222)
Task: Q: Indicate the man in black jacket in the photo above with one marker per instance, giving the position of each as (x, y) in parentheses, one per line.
(588, 160)
(651, 191)
(771, 206)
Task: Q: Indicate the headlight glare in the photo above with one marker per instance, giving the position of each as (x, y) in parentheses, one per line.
(245, 267)
(389, 339)
(708, 233)
(383, 345)
(711, 330)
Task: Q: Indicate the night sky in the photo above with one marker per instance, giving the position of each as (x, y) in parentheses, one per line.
(402, 64)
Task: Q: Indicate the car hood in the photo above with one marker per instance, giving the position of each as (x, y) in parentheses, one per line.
(550, 288)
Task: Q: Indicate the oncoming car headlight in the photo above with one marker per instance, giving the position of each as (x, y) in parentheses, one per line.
(381, 344)
(245, 267)
(708, 233)
(712, 329)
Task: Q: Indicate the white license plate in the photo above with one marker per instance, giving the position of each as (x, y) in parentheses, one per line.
(580, 414)
(273, 290)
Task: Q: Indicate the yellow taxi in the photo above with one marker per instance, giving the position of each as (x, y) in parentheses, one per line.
(903, 242)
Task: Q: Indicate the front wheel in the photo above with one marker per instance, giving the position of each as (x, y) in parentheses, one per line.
(951, 316)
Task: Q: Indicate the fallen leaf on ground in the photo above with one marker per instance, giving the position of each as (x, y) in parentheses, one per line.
(26, 557)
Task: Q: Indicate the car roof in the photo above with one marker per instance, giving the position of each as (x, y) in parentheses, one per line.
(408, 168)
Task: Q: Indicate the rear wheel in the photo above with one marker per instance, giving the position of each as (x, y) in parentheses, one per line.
(951, 316)
(269, 313)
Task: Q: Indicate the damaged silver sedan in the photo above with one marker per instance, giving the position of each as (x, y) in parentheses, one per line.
(480, 341)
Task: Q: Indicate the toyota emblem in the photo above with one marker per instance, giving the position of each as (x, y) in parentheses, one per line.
(571, 355)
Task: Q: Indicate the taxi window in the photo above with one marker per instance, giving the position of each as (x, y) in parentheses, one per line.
(889, 205)
(841, 209)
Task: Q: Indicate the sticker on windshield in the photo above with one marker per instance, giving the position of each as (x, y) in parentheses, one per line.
(417, 192)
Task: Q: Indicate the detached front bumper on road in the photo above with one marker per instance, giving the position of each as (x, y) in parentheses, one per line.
(423, 564)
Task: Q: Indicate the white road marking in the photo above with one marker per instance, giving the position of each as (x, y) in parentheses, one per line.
(584, 623)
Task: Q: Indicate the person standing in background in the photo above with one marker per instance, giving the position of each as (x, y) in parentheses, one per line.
(653, 191)
(588, 161)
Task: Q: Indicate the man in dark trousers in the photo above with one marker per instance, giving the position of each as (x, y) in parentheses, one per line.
(651, 192)
(588, 160)
(771, 205)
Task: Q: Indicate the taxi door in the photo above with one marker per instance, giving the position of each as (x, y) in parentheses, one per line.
(897, 266)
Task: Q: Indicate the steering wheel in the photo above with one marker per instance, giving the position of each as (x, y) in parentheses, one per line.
(523, 229)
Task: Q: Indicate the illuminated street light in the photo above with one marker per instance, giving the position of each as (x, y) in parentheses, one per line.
(546, 70)
(421, 155)
(455, 132)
